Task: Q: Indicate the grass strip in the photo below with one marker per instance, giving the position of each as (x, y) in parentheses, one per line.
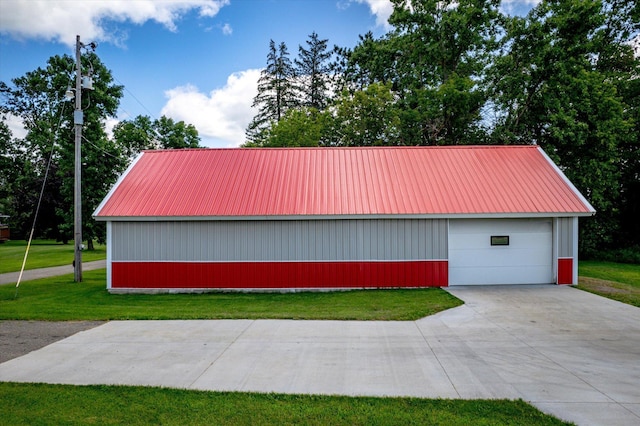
(43, 254)
(617, 281)
(625, 293)
(60, 299)
(625, 273)
(29, 404)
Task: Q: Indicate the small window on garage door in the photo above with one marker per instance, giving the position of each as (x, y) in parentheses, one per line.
(499, 240)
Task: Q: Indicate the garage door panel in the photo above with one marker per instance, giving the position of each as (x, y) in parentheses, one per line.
(526, 260)
(489, 275)
(477, 239)
(516, 239)
(498, 258)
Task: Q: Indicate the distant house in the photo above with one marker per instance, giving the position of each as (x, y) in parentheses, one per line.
(4, 229)
(327, 218)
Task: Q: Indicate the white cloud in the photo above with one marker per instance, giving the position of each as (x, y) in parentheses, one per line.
(382, 9)
(109, 124)
(61, 20)
(221, 116)
(227, 30)
(16, 125)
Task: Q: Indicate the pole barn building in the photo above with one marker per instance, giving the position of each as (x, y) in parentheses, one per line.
(318, 218)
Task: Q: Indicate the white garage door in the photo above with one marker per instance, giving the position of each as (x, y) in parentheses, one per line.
(523, 257)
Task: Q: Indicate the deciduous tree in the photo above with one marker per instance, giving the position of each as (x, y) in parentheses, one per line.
(557, 84)
(434, 58)
(38, 99)
(367, 117)
(303, 126)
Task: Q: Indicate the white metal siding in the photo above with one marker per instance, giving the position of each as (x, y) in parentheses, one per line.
(526, 260)
(299, 240)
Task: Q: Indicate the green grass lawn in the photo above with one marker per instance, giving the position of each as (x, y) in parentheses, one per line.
(42, 254)
(617, 281)
(620, 272)
(28, 404)
(60, 299)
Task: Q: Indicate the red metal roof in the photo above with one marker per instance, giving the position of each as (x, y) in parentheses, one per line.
(460, 180)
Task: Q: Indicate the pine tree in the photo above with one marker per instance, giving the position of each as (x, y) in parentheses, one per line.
(276, 92)
(313, 69)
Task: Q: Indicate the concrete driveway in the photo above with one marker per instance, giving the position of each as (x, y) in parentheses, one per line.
(570, 353)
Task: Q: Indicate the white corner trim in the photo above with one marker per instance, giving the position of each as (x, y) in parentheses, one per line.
(555, 249)
(115, 186)
(109, 253)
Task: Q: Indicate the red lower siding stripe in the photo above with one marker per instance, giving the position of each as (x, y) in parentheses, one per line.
(565, 271)
(279, 274)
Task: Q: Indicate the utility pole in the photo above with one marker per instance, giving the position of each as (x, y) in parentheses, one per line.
(78, 120)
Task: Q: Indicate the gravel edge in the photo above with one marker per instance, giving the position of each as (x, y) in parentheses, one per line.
(18, 338)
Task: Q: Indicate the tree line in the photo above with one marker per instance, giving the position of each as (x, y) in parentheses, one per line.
(565, 77)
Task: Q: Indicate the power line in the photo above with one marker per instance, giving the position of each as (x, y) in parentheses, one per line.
(155, 131)
(99, 148)
(134, 97)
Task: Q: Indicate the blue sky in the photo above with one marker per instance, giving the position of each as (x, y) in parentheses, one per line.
(191, 60)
